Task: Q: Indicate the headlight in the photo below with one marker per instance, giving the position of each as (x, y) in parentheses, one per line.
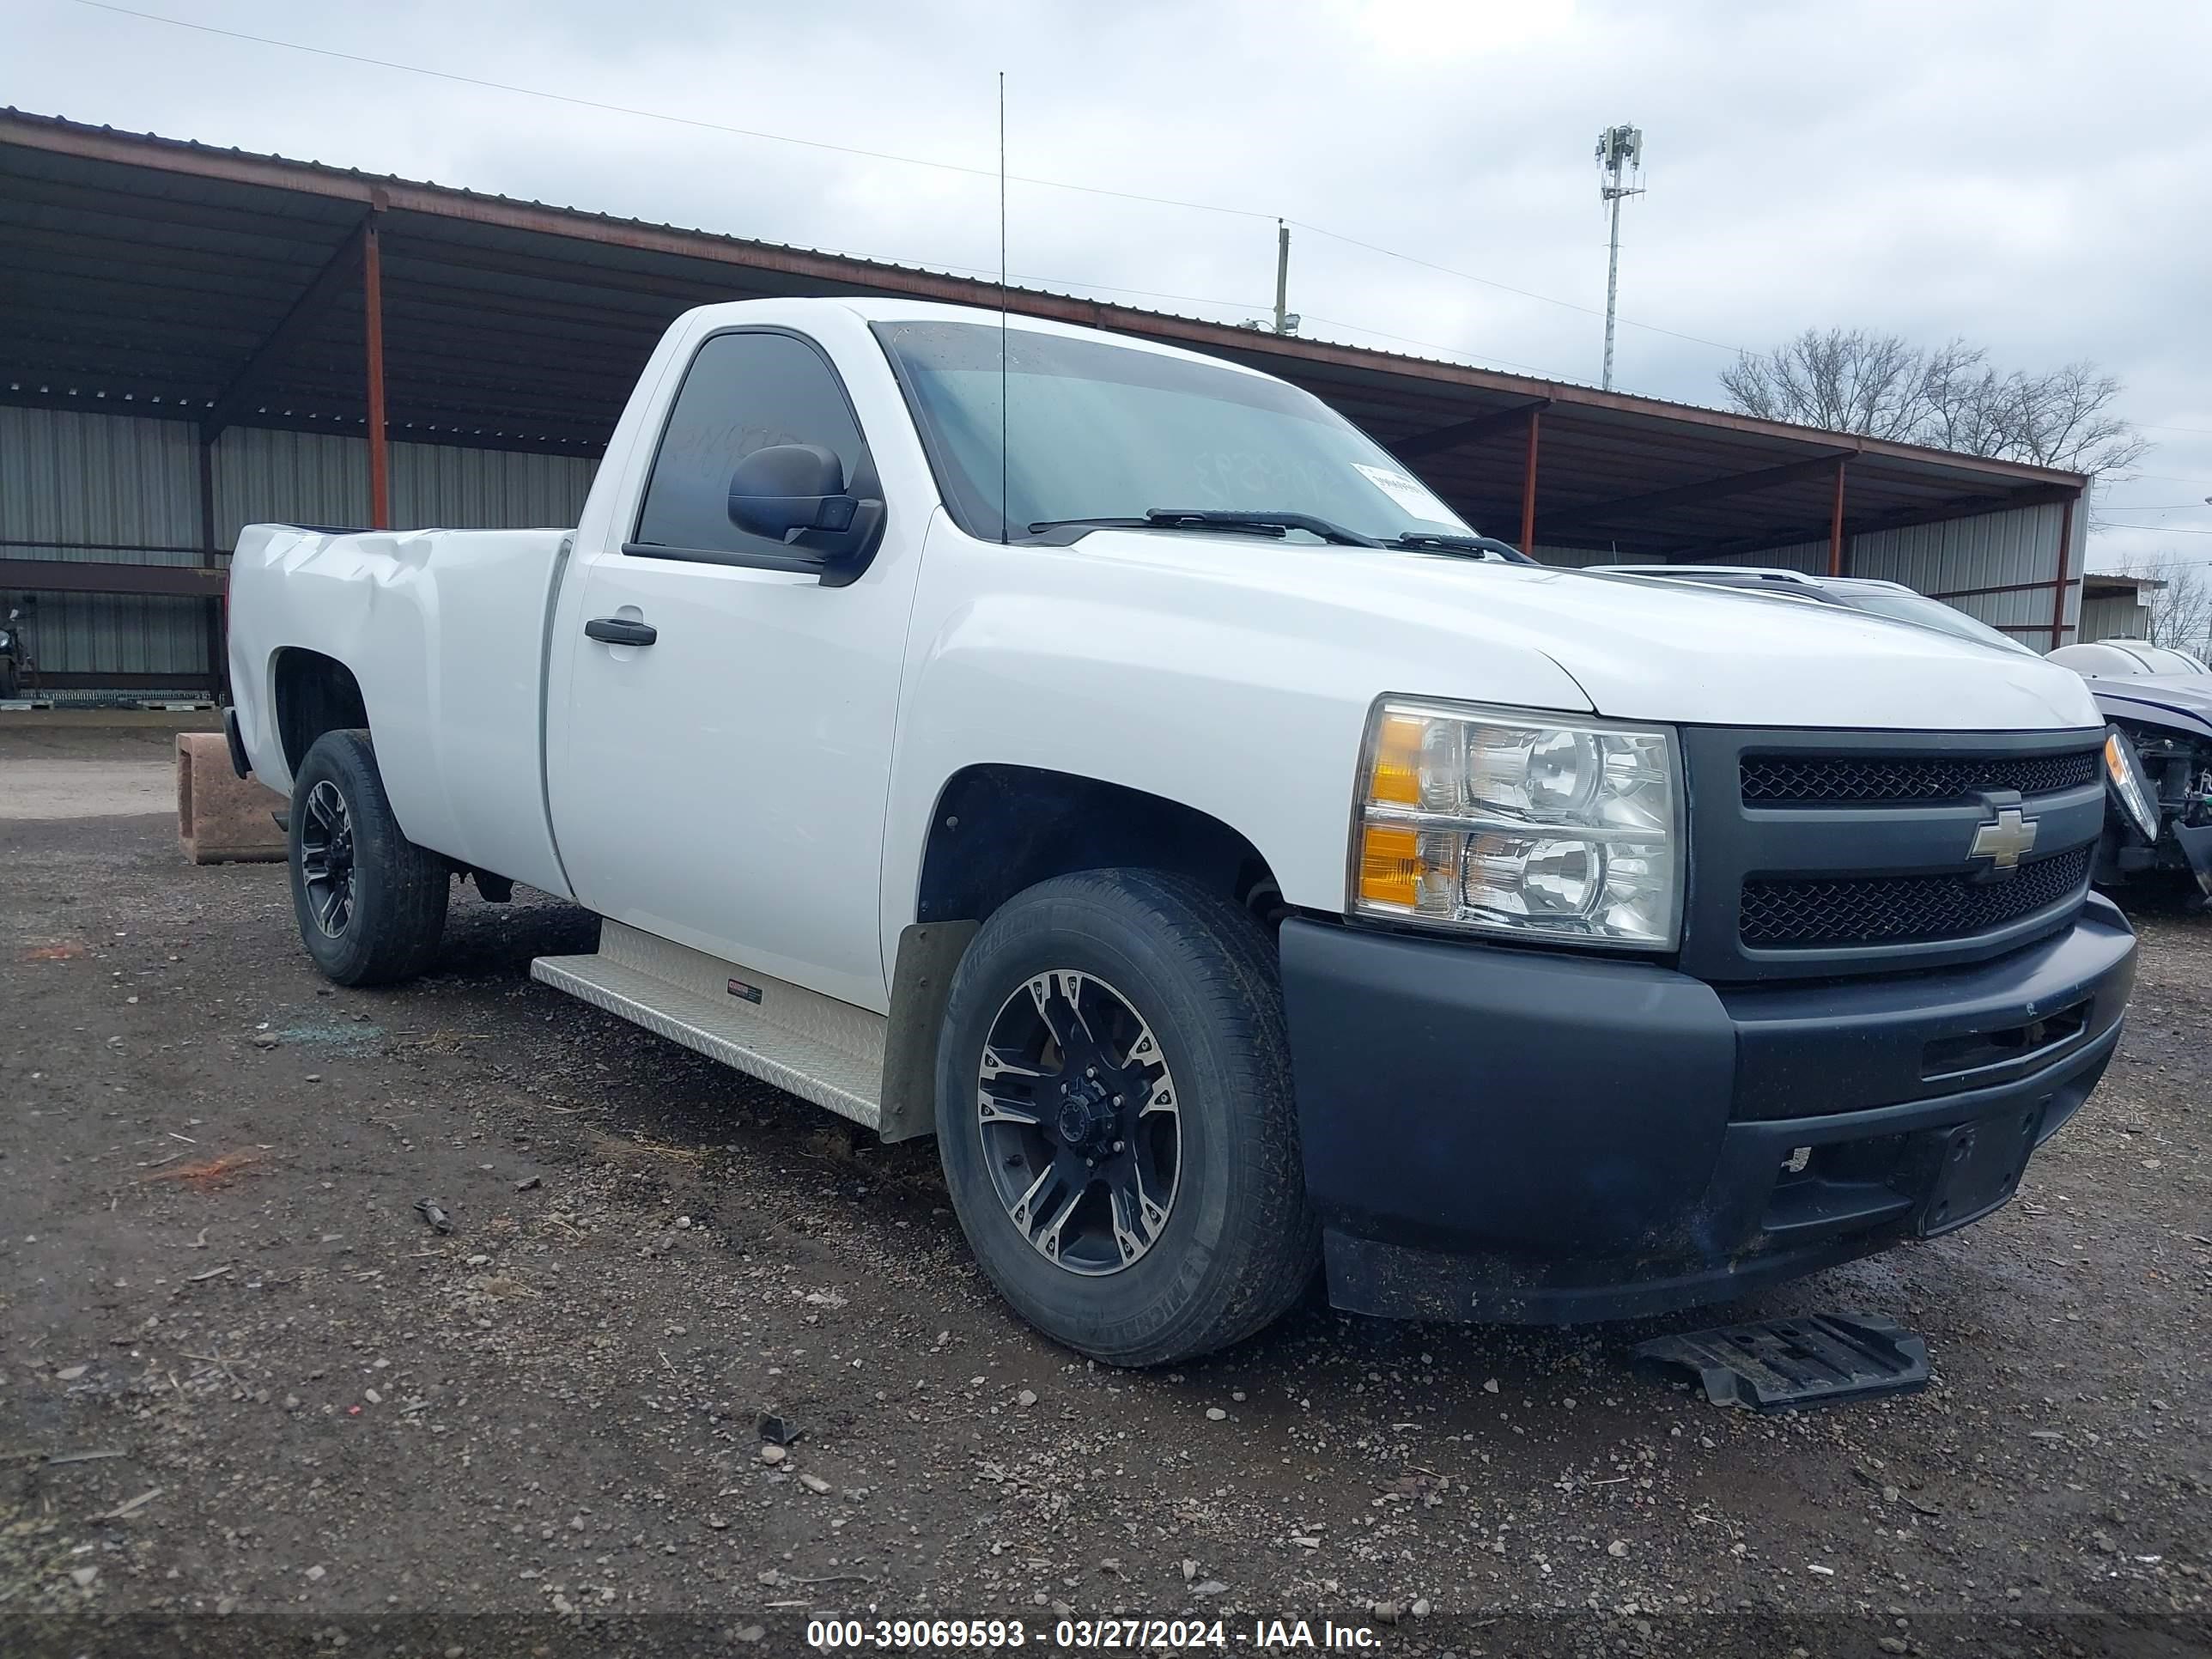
(1520, 822)
(2123, 769)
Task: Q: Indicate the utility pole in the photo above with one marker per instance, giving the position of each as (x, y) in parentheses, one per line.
(1286, 320)
(1619, 156)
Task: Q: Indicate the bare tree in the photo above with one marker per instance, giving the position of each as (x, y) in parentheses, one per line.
(2181, 607)
(1845, 379)
(1883, 386)
(2065, 418)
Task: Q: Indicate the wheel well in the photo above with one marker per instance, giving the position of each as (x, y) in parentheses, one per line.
(1000, 829)
(314, 694)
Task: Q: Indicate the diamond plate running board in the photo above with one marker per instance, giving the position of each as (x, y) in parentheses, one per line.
(1777, 1364)
(812, 1046)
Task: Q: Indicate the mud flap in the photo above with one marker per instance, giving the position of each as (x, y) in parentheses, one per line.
(1779, 1364)
(2197, 846)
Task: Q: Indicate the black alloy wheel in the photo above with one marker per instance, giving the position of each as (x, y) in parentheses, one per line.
(1115, 1117)
(1079, 1119)
(326, 859)
(370, 903)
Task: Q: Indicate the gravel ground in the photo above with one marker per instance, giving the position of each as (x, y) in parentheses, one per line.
(251, 1400)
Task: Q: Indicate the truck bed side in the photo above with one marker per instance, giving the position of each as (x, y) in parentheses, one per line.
(444, 631)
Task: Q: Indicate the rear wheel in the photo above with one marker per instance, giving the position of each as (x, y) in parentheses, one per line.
(1115, 1119)
(371, 904)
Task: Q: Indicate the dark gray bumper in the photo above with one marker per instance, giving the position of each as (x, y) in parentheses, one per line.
(1533, 1136)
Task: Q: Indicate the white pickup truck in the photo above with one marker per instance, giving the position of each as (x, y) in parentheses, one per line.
(1108, 759)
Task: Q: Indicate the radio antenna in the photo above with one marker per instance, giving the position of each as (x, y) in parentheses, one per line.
(1005, 527)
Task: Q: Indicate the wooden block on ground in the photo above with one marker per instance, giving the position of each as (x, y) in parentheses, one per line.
(222, 818)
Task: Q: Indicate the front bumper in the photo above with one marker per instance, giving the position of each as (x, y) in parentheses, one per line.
(1501, 1134)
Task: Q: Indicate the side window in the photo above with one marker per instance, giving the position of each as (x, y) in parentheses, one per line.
(742, 392)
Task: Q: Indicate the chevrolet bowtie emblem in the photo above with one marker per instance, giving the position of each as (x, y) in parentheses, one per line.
(2004, 839)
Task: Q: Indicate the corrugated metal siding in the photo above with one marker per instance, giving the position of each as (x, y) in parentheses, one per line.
(123, 482)
(454, 489)
(309, 477)
(129, 487)
(292, 478)
(2123, 617)
(1996, 550)
(1993, 550)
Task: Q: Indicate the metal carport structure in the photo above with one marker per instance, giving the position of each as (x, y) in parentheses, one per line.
(193, 337)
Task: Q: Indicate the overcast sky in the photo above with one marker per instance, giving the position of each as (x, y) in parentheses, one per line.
(2032, 177)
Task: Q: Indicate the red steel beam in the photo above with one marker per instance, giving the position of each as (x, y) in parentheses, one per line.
(2058, 589)
(372, 285)
(1836, 523)
(85, 576)
(1528, 483)
(217, 608)
(92, 547)
(2009, 587)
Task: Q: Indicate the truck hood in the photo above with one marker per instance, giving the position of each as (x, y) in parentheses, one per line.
(2183, 702)
(1450, 627)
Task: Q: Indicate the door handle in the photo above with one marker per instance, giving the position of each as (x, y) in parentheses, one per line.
(618, 630)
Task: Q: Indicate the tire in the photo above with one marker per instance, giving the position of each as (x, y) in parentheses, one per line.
(1193, 1233)
(370, 903)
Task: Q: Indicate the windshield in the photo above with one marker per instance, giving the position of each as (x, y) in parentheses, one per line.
(2164, 659)
(1096, 430)
(1932, 613)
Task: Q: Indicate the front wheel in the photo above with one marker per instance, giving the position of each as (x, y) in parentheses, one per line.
(1115, 1119)
(370, 903)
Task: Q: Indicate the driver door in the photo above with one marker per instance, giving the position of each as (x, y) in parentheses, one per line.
(723, 785)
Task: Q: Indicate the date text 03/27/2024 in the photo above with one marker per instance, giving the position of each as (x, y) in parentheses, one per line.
(829, 1635)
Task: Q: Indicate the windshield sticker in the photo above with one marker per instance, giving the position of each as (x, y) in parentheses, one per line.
(1410, 494)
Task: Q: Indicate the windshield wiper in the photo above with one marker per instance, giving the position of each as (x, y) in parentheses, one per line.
(1266, 523)
(1434, 541)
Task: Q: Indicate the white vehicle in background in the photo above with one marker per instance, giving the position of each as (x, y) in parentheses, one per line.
(2127, 659)
(2158, 748)
(1106, 758)
(1876, 597)
(2160, 702)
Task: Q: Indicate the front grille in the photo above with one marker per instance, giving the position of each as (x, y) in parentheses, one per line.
(1899, 909)
(1880, 780)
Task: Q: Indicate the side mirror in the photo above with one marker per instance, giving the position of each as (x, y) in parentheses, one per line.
(787, 487)
(795, 493)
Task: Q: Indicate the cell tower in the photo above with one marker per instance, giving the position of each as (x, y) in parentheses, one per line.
(1620, 160)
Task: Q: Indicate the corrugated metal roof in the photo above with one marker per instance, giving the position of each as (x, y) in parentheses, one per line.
(149, 274)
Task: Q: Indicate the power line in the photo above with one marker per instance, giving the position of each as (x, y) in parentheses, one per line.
(885, 155)
(1469, 277)
(2154, 529)
(660, 115)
